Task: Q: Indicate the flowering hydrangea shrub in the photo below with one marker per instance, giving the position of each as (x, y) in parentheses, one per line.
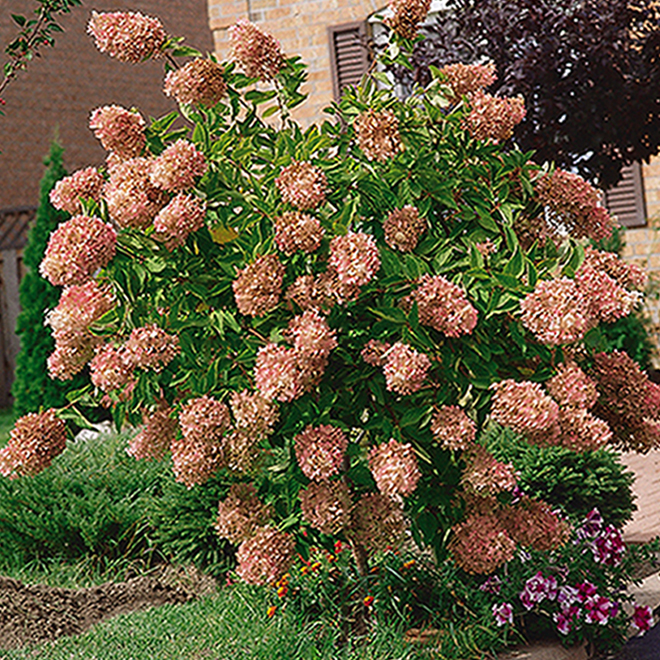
(329, 316)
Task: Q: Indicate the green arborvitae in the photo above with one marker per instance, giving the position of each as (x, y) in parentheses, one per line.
(32, 387)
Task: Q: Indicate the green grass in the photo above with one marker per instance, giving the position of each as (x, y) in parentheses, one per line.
(231, 625)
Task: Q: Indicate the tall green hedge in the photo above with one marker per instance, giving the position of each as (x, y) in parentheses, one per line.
(32, 387)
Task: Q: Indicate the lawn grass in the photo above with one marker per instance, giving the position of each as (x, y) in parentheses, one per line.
(231, 625)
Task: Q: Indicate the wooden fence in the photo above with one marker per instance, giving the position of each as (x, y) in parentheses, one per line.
(14, 225)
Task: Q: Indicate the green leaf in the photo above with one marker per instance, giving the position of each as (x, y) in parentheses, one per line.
(20, 20)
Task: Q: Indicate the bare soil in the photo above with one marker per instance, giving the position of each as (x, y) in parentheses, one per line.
(33, 614)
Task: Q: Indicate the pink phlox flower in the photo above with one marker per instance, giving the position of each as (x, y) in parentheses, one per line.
(537, 589)
(608, 547)
(567, 618)
(503, 613)
(599, 610)
(642, 618)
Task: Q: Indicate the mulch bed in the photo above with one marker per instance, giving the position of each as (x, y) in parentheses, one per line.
(34, 614)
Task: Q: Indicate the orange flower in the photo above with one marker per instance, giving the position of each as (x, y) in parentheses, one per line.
(281, 592)
(271, 611)
(408, 564)
(368, 600)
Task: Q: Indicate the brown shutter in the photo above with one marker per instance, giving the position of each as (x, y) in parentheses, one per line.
(349, 57)
(14, 225)
(626, 200)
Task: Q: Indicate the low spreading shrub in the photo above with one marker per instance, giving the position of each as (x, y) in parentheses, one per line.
(575, 482)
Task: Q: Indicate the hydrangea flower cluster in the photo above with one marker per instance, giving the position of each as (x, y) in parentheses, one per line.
(77, 249)
(444, 306)
(302, 184)
(150, 347)
(127, 36)
(466, 79)
(36, 439)
(378, 135)
(407, 15)
(405, 369)
(575, 203)
(258, 286)
(453, 429)
(181, 217)
(326, 506)
(241, 513)
(120, 131)
(394, 468)
(320, 451)
(355, 258)
(523, 406)
(109, 369)
(259, 53)
(199, 82)
(485, 474)
(403, 228)
(178, 167)
(491, 118)
(156, 436)
(265, 557)
(85, 184)
(377, 522)
(298, 231)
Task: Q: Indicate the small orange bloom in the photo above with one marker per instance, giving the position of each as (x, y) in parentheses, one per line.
(304, 570)
(408, 564)
(271, 611)
(368, 600)
(281, 592)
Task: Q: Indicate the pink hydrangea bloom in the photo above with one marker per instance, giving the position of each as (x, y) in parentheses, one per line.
(253, 413)
(195, 460)
(184, 215)
(35, 440)
(532, 524)
(241, 513)
(133, 201)
(492, 118)
(79, 307)
(326, 506)
(394, 467)
(576, 203)
(156, 436)
(444, 306)
(403, 228)
(453, 429)
(265, 557)
(120, 131)
(127, 36)
(150, 347)
(205, 419)
(481, 544)
(320, 451)
(570, 386)
(405, 369)
(302, 184)
(555, 312)
(298, 231)
(355, 258)
(77, 249)
(581, 431)
(377, 522)
(178, 167)
(467, 79)
(406, 16)
(259, 53)
(109, 370)
(86, 184)
(378, 135)
(311, 335)
(628, 275)
(198, 82)
(523, 406)
(276, 373)
(606, 300)
(485, 474)
(258, 286)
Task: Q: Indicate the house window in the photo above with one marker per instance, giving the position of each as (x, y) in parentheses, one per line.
(349, 56)
(626, 200)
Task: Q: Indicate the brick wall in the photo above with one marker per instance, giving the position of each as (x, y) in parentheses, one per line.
(301, 26)
(58, 90)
